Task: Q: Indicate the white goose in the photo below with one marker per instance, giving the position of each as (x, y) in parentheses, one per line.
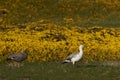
(75, 56)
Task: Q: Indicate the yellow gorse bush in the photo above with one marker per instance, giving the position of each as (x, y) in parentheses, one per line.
(49, 42)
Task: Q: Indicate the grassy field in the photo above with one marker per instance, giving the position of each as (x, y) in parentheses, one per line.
(58, 71)
(84, 13)
(52, 29)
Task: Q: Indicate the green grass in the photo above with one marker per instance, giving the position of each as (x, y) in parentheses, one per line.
(58, 71)
(85, 13)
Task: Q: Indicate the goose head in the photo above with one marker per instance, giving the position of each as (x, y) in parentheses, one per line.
(81, 47)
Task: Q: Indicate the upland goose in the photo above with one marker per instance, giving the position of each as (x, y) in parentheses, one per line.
(75, 56)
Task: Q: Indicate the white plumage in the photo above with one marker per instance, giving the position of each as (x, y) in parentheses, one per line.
(75, 56)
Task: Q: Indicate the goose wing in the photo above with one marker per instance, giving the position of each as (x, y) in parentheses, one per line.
(71, 56)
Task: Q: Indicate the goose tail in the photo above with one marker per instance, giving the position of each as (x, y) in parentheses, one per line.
(65, 61)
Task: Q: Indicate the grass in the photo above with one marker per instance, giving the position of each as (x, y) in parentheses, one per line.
(84, 13)
(58, 71)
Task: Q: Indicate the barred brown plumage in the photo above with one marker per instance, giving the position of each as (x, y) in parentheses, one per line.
(18, 57)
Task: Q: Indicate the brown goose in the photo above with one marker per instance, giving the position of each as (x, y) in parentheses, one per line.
(18, 57)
